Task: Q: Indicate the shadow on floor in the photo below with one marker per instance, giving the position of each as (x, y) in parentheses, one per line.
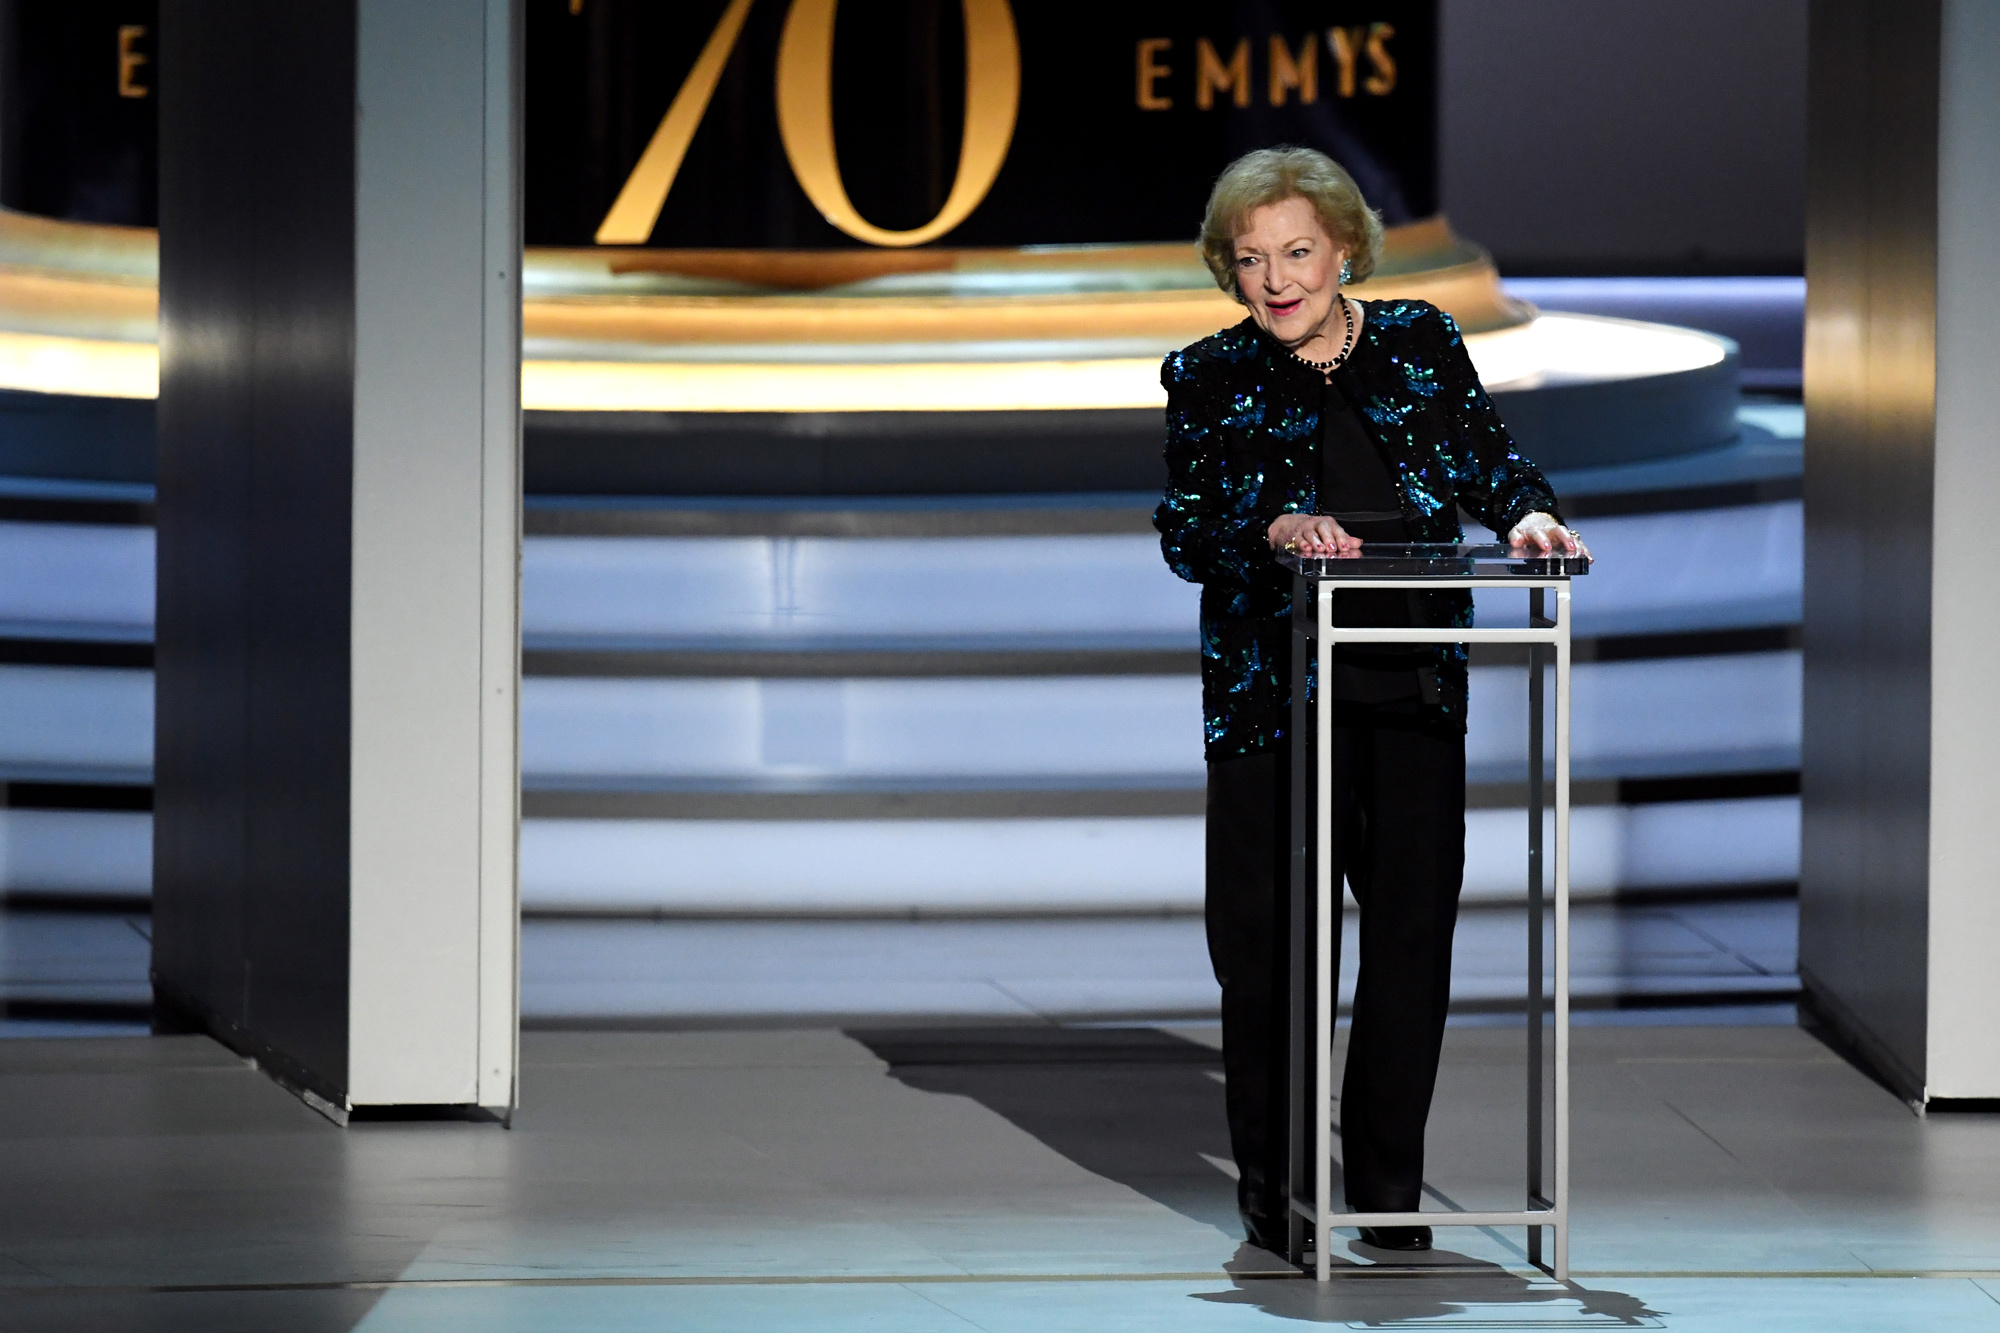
(240, 1311)
(1135, 1105)
(1142, 1107)
(1486, 1298)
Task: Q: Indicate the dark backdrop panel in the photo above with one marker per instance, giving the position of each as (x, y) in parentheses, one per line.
(79, 99)
(1650, 136)
(1088, 163)
(255, 437)
(1571, 136)
(1645, 136)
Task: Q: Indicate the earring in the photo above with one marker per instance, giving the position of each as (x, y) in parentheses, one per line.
(1346, 273)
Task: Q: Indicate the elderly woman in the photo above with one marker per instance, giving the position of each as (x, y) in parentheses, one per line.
(1316, 425)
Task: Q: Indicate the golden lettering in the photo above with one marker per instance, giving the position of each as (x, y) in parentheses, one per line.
(1212, 76)
(1151, 72)
(129, 61)
(637, 208)
(805, 115)
(1345, 43)
(1383, 81)
(1287, 73)
(805, 122)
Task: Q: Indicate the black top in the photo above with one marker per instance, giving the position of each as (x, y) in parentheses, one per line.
(1354, 483)
(1355, 489)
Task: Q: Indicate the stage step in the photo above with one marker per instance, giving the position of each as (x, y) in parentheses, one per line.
(936, 705)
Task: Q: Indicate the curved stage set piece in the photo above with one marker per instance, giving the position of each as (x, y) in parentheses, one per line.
(840, 594)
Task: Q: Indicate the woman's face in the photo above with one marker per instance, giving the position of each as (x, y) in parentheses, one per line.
(1288, 270)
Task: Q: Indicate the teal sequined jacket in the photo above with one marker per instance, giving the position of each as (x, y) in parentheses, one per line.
(1242, 448)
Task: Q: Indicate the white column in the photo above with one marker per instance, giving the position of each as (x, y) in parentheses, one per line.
(436, 528)
(1963, 1003)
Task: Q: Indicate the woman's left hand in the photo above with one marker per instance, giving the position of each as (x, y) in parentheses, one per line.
(1541, 532)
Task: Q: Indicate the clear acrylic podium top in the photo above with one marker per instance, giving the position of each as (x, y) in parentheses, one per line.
(1488, 562)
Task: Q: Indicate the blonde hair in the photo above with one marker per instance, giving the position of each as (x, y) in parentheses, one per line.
(1271, 176)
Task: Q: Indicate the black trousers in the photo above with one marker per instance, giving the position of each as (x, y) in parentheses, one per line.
(1399, 838)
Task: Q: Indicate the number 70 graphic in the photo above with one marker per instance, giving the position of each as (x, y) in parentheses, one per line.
(805, 122)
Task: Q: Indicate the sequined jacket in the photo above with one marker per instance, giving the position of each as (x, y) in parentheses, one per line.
(1242, 448)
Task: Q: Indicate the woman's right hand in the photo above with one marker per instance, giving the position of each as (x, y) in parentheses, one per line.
(1311, 535)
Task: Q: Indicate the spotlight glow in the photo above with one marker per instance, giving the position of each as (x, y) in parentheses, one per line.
(955, 386)
(88, 367)
(1553, 349)
(1580, 349)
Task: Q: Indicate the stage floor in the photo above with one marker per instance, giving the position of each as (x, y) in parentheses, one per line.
(958, 1179)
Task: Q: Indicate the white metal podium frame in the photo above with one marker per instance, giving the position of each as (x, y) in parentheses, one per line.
(1458, 567)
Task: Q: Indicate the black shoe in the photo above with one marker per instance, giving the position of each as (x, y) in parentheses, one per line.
(1406, 1239)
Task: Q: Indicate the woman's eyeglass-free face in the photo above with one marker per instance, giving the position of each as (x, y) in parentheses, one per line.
(1288, 270)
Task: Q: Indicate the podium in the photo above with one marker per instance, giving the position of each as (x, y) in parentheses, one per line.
(1316, 898)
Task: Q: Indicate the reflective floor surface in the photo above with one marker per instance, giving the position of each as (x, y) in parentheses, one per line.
(998, 1179)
